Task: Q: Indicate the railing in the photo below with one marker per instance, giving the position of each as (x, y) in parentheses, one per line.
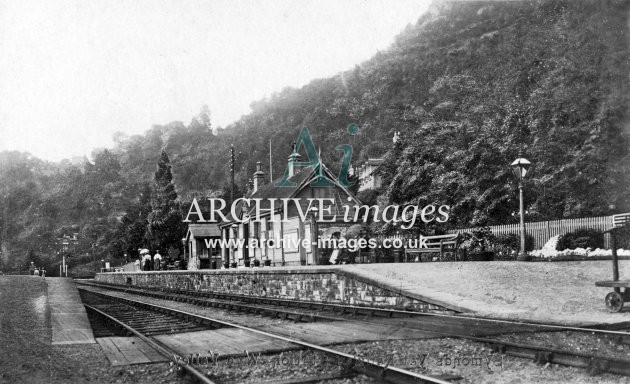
(542, 231)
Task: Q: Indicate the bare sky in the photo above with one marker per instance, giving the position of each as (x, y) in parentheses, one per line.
(74, 72)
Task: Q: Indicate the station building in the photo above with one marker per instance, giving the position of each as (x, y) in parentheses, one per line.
(196, 248)
(368, 177)
(295, 229)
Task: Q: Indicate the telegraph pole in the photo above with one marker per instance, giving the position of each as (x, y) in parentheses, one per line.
(232, 172)
(270, 166)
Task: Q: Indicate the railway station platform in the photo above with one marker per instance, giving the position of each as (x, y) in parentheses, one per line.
(47, 310)
(68, 318)
(38, 316)
(557, 293)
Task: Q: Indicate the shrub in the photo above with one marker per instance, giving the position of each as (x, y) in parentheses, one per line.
(478, 240)
(511, 243)
(581, 238)
(368, 197)
(622, 237)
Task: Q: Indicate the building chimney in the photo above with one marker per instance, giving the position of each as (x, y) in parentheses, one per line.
(293, 157)
(250, 185)
(259, 177)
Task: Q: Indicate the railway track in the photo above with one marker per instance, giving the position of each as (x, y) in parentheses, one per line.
(312, 311)
(139, 318)
(272, 307)
(143, 319)
(426, 322)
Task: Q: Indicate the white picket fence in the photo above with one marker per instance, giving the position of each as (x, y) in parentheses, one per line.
(542, 231)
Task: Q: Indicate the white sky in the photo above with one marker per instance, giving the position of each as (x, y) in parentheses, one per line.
(74, 72)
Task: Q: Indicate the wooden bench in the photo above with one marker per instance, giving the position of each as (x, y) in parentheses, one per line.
(434, 244)
(620, 220)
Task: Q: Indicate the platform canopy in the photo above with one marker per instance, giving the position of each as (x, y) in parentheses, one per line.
(201, 230)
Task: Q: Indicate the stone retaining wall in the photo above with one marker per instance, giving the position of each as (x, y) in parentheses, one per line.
(332, 286)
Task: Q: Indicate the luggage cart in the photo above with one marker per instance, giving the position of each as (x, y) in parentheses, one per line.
(615, 299)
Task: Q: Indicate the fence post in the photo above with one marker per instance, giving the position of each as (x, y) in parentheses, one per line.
(542, 231)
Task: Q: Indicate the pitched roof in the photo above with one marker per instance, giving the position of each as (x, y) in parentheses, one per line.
(301, 180)
(203, 230)
(376, 162)
(269, 191)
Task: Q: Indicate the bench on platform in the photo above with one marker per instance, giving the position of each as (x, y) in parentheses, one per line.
(434, 244)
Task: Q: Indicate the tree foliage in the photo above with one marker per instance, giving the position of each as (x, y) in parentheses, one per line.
(165, 227)
(469, 87)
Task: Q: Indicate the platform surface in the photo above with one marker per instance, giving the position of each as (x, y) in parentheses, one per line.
(128, 350)
(68, 318)
(559, 292)
(562, 293)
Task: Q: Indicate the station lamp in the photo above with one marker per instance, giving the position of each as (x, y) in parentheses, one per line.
(520, 167)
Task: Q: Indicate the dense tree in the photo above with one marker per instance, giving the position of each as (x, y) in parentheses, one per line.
(468, 87)
(130, 233)
(165, 227)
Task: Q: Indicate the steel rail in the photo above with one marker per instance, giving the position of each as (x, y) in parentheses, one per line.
(351, 308)
(249, 300)
(540, 354)
(369, 367)
(163, 350)
(347, 308)
(269, 309)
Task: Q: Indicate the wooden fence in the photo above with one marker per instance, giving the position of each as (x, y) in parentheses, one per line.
(542, 231)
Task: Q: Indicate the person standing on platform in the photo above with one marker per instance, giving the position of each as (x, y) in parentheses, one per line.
(157, 261)
(137, 264)
(31, 269)
(147, 262)
(145, 259)
(43, 272)
(143, 262)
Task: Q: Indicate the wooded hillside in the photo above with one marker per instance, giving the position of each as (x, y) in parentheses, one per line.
(468, 87)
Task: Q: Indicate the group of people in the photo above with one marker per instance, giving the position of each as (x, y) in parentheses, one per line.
(146, 262)
(35, 271)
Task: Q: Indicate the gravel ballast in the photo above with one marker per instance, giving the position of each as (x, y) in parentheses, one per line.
(407, 353)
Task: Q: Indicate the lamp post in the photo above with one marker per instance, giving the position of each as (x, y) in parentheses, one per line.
(233, 249)
(65, 246)
(314, 235)
(520, 167)
(94, 260)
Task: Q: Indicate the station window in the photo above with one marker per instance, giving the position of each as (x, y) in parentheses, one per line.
(269, 229)
(257, 230)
